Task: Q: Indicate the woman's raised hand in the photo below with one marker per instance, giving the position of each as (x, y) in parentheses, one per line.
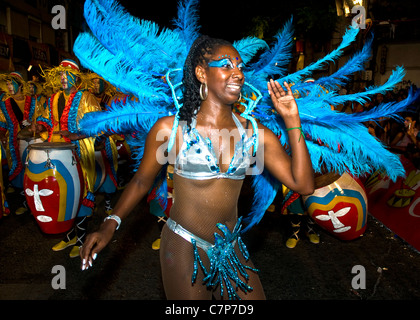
(283, 101)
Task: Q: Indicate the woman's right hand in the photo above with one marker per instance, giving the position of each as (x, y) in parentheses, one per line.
(95, 242)
(138, 188)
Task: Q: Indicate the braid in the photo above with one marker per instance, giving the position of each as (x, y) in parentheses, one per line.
(198, 54)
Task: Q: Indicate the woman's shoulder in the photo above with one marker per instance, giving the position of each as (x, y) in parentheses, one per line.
(165, 122)
(163, 126)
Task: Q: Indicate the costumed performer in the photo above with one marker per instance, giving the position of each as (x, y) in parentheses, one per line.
(297, 216)
(18, 110)
(207, 186)
(58, 123)
(41, 96)
(4, 207)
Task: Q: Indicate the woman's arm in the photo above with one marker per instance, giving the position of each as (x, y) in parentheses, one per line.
(132, 194)
(296, 171)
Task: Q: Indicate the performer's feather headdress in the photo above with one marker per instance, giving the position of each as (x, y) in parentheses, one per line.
(146, 61)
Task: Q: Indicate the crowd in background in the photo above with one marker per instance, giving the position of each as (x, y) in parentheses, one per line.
(401, 136)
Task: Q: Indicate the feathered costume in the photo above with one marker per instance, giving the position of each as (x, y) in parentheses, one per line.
(141, 59)
(76, 105)
(14, 116)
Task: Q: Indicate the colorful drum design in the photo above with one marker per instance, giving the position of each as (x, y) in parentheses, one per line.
(340, 207)
(53, 184)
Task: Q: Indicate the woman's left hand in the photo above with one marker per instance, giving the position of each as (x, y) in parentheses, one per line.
(283, 101)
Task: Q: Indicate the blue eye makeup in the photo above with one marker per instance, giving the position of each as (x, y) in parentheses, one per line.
(225, 63)
(221, 63)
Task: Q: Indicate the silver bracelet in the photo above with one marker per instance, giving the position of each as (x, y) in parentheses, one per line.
(115, 218)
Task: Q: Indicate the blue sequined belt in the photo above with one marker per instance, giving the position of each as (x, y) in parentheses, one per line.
(225, 265)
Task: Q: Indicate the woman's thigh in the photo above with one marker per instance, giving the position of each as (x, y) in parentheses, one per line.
(177, 265)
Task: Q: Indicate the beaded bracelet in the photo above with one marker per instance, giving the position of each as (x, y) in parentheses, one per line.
(301, 132)
(115, 218)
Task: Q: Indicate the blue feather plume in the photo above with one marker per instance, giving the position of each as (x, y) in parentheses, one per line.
(275, 60)
(396, 77)
(265, 188)
(120, 73)
(123, 117)
(342, 75)
(248, 47)
(120, 32)
(348, 38)
(187, 21)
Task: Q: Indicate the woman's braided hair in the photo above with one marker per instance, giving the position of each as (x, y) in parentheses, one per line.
(199, 53)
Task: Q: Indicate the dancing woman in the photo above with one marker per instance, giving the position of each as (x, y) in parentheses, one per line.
(201, 250)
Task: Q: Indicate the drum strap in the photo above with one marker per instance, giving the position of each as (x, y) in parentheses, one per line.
(61, 104)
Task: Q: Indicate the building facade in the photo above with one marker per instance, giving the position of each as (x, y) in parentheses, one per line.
(37, 33)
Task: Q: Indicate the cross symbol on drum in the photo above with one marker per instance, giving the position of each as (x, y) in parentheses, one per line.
(333, 216)
(36, 194)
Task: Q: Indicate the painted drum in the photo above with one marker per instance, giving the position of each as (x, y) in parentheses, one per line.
(340, 207)
(103, 181)
(53, 184)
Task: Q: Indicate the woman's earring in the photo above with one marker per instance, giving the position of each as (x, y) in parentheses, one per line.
(204, 95)
(240, 96)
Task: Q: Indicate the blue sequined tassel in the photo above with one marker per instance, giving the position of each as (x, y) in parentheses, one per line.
(224, 263)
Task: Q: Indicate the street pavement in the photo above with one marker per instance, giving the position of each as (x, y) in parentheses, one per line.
(377, 266)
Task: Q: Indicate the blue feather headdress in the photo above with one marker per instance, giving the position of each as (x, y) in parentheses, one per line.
(146, 61)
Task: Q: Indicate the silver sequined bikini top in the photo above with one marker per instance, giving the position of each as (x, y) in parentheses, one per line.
(197, 158)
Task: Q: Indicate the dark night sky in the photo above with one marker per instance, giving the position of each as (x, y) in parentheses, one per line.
(232, 19)
(223, 19)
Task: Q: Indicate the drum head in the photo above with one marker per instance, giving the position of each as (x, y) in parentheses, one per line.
(52, 145)
(323, 180)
